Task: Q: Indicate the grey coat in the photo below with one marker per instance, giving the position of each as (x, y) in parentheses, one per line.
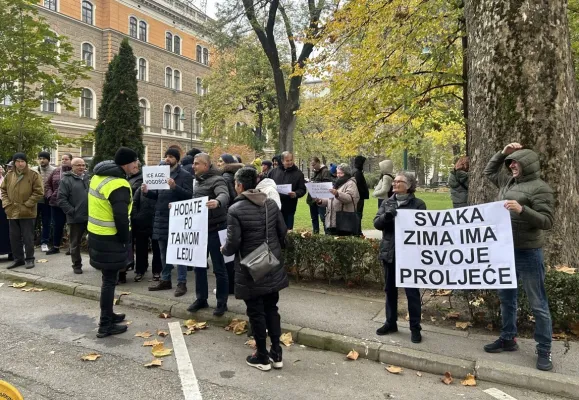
(73, 197)
(213, 185)
(458, 182)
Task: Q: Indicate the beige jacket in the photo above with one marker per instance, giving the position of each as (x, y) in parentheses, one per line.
(347, 200)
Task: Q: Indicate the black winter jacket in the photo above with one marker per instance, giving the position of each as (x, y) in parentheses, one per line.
(361, 180)
(213, 185)
(187, 164)
(293, 175)
(384, 221)
(182, 191)
(143, 213)
(228, 174)
(136, 181)
(72, 197)
(246, 232)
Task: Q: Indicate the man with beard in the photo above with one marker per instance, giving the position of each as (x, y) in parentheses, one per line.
(288, 173)
(45, 170)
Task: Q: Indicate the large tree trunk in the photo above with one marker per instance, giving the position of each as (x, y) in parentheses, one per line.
(522, 89)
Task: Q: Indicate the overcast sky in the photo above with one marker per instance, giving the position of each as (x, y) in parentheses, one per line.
(211, 8)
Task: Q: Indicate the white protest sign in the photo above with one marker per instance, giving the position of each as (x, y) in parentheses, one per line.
(320, 190)
(462, 248)
(284, 189)
(156, 177)
(188, 226)
(223, 239)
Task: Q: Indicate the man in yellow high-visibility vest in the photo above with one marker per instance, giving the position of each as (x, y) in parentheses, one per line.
(109, 209)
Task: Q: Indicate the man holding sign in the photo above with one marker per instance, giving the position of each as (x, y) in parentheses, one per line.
(531, 205)
(288, 174)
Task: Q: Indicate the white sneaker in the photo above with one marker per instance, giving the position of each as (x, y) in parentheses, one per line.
(214, 291)
(44, 247)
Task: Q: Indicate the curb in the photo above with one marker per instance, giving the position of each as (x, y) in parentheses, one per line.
(484, 370)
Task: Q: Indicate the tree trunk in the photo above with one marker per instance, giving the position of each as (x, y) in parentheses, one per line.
(287, 124)
(522, 89)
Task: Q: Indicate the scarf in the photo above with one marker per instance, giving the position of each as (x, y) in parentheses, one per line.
(340, 181)
(401, 198)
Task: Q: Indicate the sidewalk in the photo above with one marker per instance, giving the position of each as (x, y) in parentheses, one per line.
(338, 322)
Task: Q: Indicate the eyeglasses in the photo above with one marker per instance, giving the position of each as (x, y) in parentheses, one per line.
(395, 181)
(79, 165)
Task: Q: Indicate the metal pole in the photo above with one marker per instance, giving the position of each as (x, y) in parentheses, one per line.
(405, 160)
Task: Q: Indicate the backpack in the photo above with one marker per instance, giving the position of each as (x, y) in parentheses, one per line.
(391, 190)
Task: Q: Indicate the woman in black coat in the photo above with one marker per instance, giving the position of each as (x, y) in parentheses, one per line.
(246, 231)
(404, 187)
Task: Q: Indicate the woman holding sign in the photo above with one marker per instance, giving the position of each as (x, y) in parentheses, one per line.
(404, 188)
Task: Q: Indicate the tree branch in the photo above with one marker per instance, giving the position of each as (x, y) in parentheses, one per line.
(290, 35)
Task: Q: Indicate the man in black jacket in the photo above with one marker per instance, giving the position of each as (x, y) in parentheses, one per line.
(180, 188)
(362, 187)
(288, 173)
(209, 182)
(317, 213)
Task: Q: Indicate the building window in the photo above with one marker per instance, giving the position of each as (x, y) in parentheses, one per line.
(199, 87)
(87, 12)
(205, 56)
(88, 54)
(86, 103)
(177, 80)
(143, 112)
(50, 4)
(87, 149)
(167, 117)
(142, 71)
(169, 77)
(199, 54)
(169, 41)
(177, 118)
(133, 27)
(49, 105)
(198, 123)
(143, 31)
(177, 44)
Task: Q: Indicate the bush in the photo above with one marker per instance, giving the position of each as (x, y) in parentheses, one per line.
(372, 179)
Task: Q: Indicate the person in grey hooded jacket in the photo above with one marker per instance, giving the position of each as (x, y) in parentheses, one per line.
(383, 189)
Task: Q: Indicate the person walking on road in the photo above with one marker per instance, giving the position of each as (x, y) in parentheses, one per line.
(383, 189)
(362, 187)
(289, 173)
(4, 231)
(44, 212)
(403, 198)
(458, 182)
(21, 191)
(532, 206)
(109, 207)
(73, 200)
(248, 222)
(51, 192)
(318, 212)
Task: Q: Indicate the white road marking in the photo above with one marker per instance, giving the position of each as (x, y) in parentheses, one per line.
(498, 394)
(189, 382)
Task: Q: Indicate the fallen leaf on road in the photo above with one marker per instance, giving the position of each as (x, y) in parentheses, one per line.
(393, 369)
(189, 323)
(154, 363)
(33, 289)
(251, 343)
(152, 343)
(453, 315)
(468, 381)
(18, 285)
(128, 323)
(42, 260)
(419, 374)
(200, 325)
(574, 328)
(162, 333)
(442, 292)
(447, 378)
(144, 335)
(159, 350)
(286, 339)
(125, 293)
(463, 325)
(353, 355)
(237, 326)
(189, 332)
(90, 357)
(165, 315)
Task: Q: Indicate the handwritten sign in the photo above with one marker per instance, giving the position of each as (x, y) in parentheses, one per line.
(188, 226)
(156, 177)
(320, 190)
(284, 189)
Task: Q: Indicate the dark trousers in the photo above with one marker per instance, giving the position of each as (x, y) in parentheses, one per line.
(317, 213)
(219, 269)
(360, 212)
(412, 294)
(110, 278)
(231, 276)
(77, 231)
(59, 219)
(22, 235)
(4, 232)
(141, 243)
(45, 214)
(288, 218)
(380, 202)
(263, 315)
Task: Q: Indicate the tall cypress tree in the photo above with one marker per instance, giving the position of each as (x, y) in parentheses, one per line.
(118, 124)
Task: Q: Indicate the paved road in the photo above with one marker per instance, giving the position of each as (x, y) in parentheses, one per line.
(45, 334)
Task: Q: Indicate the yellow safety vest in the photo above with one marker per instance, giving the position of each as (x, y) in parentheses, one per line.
(100, 212)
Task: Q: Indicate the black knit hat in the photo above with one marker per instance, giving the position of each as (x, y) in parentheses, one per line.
(125, 156)
(44, 154)
(173, 152)
(193, 152)
(268, 163)
(20, 156)
(227, 158)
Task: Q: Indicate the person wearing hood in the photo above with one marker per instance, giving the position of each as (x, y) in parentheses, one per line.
(210, 183)
(384, 189)
(51, 193)
(333, 170)
(44, 212)
(109, 230)
(317, 212)
(289, 173)
(362, 187)
(252, 220)
(276, 161)
(346, 197)
(73, 200)
(268, 186)
(20, 192)
(266, 167)
(458, 182)
(180, 188)
(532, 207)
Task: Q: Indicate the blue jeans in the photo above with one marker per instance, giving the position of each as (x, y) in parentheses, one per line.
(315, 213)
(167, 268)
(45, 214)
(531, 273)
(201, 286)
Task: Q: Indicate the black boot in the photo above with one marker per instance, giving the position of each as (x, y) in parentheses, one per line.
(118, 318)
(111, 329)
(15, 264)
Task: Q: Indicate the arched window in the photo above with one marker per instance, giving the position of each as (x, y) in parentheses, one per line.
(169, 41)
(169, 77)
(198, 123)
(142, 70)
(143, 31)
(177, 80)
(143, 111)
(199, 87)
(50, 4)
(87, 12)
(205, 56)
(177, 44)
(88, 54)
(133, 27)
(177, 119)
(86, 103)
(167, 117)
(199, 55)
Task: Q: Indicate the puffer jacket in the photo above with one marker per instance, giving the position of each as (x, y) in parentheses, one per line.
(136, 181)
(458, 182)
(293, 176)
(73, 197)
(530, 191)
(21, 193)
(245, 232)
(269, 187)
(348, 198)
(384, 185)
(384, 221)
(183, 191)
(52, 183)
(213, 185)
(143, 214)
(228, 173)
(321, 175)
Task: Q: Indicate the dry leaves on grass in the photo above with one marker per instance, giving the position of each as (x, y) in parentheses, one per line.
(566, 269)
(155, 363)
(18, 285)
(353, 355)
(251, 343)
(559, 336)
(159, 350)
(286, 339)
(393, 369)
(574, 328)
(407, 317)
(162, 333)
(469, 380)
(453, 315)
(152, 343)
(447, 378)
(238, 326)
(165, 315)
(91, 357)
(33, 289)
(144, 335)
(442, 292)
(463, 325)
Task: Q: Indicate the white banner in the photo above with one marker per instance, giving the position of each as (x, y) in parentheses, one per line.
(156, 177)
(222, 240)
(188, 226)
(462, 248)
(284, 189)
(320, 190)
